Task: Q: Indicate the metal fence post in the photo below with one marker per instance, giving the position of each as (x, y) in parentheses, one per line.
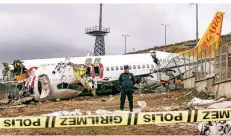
(205, 62)
(215, 61)
(189, 64)
(197, 64)
(185, 66)
(193, 55)
(220, 69)
(210, 55)
(227, 60)
(202, 68)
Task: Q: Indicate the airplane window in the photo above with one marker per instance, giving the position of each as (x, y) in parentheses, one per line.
(147, 65)
(138, 66)
(107, 68)
(67, 86)
(152, 65)
(112, 68)
(121, 67)
(73, 86)
(62, 86)
(130, 67)
(143, 66)
(134, 66)
(117, 68)
(96, 70)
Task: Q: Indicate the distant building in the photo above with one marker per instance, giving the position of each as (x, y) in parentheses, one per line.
(182, 46)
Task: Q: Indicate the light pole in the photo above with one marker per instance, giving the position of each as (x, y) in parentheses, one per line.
(164, 35)
(125, 36)
(196, 21)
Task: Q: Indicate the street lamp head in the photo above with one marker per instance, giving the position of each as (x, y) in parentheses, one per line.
(125, 35)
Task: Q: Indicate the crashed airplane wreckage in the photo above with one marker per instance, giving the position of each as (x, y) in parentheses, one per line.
(64, 78)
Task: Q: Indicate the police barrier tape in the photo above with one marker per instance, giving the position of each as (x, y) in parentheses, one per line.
(167, 117)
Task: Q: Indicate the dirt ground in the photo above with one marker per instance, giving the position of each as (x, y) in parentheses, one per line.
(155, 102)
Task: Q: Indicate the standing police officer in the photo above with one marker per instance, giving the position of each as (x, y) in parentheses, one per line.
(127, 82)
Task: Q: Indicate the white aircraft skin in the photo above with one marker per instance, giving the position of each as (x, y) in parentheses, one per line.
(140, 64)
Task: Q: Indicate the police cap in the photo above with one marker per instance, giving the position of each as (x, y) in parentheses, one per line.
(126, 67)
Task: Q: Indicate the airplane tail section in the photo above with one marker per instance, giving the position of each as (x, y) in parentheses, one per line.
(211, 37)
(207, 46)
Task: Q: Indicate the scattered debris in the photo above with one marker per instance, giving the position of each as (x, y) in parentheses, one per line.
(64, 113)
(198, 101)
(19, 106)
(224, 104)
(102, 112)
(215, 128)
(142, 104)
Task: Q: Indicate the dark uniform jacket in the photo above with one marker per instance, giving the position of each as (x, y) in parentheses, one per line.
(127, 81)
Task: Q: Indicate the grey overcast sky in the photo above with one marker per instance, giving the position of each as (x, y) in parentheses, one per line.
(30, 31)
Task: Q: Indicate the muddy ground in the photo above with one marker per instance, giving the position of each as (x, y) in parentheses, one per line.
(155, 102)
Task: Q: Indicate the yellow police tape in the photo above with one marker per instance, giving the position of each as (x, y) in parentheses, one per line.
(166, 117)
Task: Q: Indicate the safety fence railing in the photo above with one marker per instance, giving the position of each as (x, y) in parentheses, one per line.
(202, 63)
(222, 63)
(213, 61)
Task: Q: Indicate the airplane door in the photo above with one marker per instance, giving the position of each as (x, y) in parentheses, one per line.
(98, 68)
(89, 67)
